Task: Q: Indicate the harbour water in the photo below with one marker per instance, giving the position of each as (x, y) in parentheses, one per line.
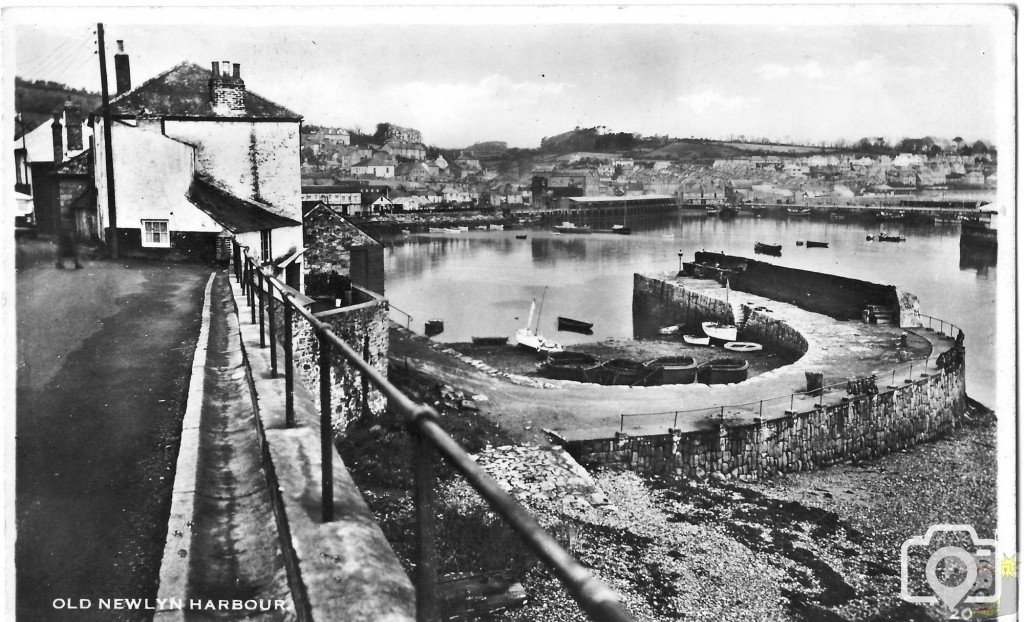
(481, 283)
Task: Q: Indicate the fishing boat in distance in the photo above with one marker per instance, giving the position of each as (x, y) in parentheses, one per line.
(569, 227)
(520, 236)
(768, 249)
(720, 332)
(530, 339)
(798, 211)
(813, 244)
(576, 326)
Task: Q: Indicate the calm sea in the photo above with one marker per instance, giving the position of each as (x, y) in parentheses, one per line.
(481, 283)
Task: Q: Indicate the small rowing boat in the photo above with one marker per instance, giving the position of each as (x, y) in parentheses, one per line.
(694, 340)
(768, 249)
(568, 227)
(723, 371)
(742, 346)
(669, 330)
(490, 341)
(720, 332)
(813, 244)
(576, 326)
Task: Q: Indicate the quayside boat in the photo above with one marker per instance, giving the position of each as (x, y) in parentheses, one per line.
(490, 341)
(520, 236)
(672, 370)
(798, 211)
(743, 346)
(529, 339)
(437, 230)
(621, 371)
(883, 215)
(813, 244)
(576, 326)
(669, 330)
(723, 371)
(570, 366)
(768, 249)
(617, 229)
(433, 326)
(720, 332)
(496, 227)
(569, 227)
(694, 340)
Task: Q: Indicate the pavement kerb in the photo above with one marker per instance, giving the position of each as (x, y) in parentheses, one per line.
(175, 562)
(342, 571)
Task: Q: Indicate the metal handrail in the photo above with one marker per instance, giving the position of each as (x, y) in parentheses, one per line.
(598, 601)
(820, 391)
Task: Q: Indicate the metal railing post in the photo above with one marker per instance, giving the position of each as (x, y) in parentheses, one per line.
(326, 432)
(273, 332)
(289, 368)
(792, 397)
(260, 294)
(365, 382)
(622, 423)
(675, 420)
(252, 296)
(426, 550)
(760, 410)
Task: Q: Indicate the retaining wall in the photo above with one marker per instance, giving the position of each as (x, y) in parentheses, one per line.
(658, 303)
(922, 410)
(364, 327)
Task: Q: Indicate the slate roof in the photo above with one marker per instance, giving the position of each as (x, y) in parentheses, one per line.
(78, 165)
(234, 213)
(184, 91)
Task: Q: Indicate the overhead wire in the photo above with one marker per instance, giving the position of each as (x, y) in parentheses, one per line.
(58, 60)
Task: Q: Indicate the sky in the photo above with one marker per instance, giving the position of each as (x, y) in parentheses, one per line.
(768, 75)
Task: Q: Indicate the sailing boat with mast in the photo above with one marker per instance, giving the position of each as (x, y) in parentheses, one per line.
(529, 339)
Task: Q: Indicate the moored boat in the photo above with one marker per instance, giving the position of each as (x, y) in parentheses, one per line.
(798, 211)
(674, 370)
(768, 249)
(568, 227)
(621, 371)
(720, 332)
(743, 346)
(813, 244)
(520, 236)
(669, 330)
(433, 327)
(621, 229)
(723, 371)
(530, 339)
(570, 366)
(490, 341)
(694, 340)
(576, 326)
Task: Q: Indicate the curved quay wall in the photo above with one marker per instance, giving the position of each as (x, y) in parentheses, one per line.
(922, 409)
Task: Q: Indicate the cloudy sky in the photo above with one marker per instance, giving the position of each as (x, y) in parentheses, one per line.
(774, 73)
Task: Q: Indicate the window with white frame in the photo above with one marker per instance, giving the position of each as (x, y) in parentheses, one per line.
(265, 250)
(155, 234)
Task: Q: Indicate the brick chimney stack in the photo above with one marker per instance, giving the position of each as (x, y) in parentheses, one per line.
(227, 89)
(74, 119)
(58, 138)
(122, 70)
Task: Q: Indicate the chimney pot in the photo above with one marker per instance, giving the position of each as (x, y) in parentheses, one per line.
(58, 137)
(122, 70)
(236, 70)
(226, 67)
(216, 69)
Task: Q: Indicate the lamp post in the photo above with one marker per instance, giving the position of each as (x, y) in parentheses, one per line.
(680, 261)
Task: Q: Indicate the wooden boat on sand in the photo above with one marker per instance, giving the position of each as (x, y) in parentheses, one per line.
(768, 249)
(576, 326)
(723, 371)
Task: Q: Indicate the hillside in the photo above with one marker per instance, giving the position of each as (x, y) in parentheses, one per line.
(37, 99)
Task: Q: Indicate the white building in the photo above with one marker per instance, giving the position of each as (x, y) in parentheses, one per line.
(197, 159)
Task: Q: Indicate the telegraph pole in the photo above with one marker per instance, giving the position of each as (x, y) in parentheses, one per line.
(108, 151)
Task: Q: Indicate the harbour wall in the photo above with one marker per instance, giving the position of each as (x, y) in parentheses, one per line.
(658, 303)
(836, 296)
(921, 410)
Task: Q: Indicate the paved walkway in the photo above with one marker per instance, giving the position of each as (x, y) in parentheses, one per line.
(235, 550)
(103, 365)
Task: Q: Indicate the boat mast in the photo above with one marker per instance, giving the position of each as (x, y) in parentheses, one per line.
(540, 309)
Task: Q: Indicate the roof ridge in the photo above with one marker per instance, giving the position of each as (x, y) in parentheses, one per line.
(150, 81)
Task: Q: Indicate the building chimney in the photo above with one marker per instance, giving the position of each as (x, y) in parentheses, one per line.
(122, 70)
(73, 118)
(227, 89)
(58, 139)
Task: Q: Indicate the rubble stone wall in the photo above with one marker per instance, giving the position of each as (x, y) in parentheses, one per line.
(865, 427)
(364, 327)
(657, 303)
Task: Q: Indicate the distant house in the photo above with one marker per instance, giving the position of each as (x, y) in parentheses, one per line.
(40, 152)
(198, 159)
(415, 171)
(405, 149)
(380, 165)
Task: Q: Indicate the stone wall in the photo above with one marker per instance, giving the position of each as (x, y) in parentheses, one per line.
(657, 303)
(333, 244)
(865, 427)
(364, 327)
(836, 296)
(772, 333)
